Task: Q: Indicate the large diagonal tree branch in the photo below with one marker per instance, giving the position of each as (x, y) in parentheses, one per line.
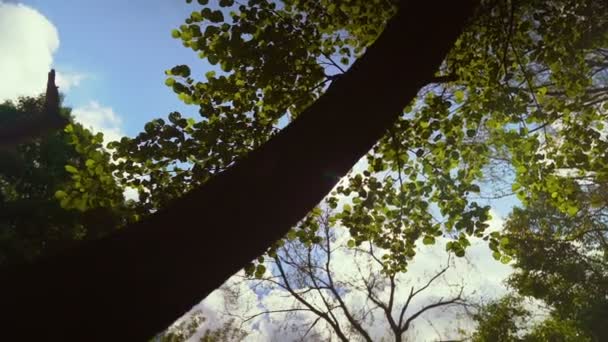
(140, 279)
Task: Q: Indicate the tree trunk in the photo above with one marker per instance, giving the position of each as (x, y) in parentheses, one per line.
(137, 281)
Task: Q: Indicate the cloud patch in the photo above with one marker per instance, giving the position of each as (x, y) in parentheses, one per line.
(100, 119)
(482, 278)
(68, 80)
(28, 41)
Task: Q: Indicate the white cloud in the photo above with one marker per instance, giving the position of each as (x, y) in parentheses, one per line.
(131, 194)
(28, 41)
(68, 80)
(100, 119)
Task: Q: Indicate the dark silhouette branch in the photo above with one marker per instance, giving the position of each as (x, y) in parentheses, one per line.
(328, 316)
(441, 302)
(414, 293)
(266, 312)
(332, 287)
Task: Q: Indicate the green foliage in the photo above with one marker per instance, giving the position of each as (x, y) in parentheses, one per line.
(561, 260)
(505, 320)
(498, 321)
(93, 184)
(554, 329)
(40, 211)
(527, 87)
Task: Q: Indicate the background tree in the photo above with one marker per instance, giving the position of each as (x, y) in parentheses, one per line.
(38, 123)
(37, 216)
(509, 319)
(561, 261)
(330, 291)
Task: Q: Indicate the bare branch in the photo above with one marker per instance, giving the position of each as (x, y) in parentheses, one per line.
(274, 311)
(332, 288)
(326, 316)
(456, 300)
(414, 293)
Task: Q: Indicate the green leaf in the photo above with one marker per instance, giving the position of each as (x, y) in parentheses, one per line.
(226, 66)
(71, 169)
(428, 240)
(191, 122)
(350, 243)
(216, 16)
(65, 202)
(260, 270)
(60, 194)
(181, 70)
(504, 241)
(249, 269)
(541, 91)
(459, 96)
(213, 60)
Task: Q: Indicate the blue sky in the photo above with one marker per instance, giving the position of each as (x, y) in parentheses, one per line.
(122, 48)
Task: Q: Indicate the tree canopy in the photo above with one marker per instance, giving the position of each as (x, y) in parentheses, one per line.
(524, 86)
(38, 216)
(561, 261)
